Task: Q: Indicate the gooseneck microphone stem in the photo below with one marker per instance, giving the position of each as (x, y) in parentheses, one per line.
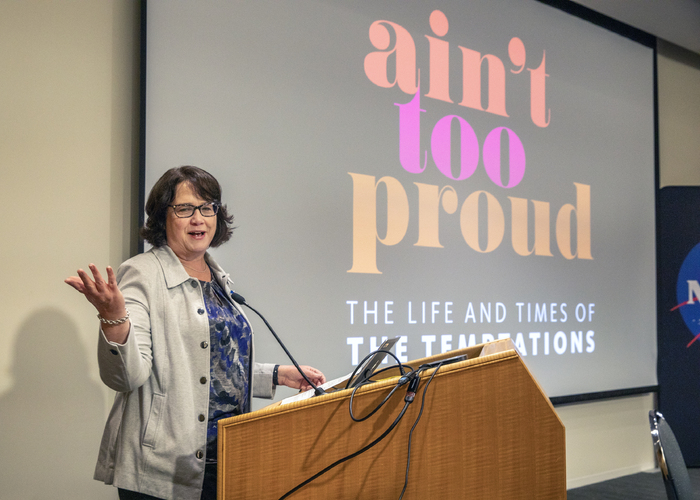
(241, 300)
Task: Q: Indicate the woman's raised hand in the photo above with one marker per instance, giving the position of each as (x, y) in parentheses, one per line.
(106, 297)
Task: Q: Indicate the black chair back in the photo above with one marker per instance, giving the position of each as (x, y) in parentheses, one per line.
(670, 459)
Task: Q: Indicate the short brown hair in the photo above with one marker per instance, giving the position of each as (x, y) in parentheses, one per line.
(162, 195)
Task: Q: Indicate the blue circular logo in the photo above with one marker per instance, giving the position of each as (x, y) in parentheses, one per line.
(688, 293)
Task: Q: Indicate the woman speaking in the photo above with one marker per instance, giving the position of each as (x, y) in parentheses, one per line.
(175, 346)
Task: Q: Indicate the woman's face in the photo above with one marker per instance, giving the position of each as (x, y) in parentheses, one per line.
(189, 237)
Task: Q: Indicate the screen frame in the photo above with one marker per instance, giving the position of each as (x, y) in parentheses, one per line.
(637, 35)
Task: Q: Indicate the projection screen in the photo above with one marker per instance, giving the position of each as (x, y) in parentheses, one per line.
(449, 172)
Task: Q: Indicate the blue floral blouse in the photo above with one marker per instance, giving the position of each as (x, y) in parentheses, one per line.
(230, 343)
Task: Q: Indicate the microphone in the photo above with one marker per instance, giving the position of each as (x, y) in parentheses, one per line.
(241, 300)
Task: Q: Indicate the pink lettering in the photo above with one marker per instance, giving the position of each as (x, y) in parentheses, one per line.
(440, 145)
(376, 63)
(439, 58)
(537, 96)
(409, 136)
(492, 157)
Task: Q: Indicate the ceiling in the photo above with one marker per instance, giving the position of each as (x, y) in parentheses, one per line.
(676, 21)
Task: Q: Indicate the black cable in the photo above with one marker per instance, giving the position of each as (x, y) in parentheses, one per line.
(387, 368)
(410, 434)
(352, 397)
(348, 457)
(413, 379)
(317, 390)
(402, 380)
(366, 358)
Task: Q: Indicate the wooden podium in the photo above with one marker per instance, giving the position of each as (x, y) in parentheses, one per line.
(487, 431)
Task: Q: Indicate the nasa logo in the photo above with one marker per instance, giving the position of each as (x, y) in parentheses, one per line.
(688, 292)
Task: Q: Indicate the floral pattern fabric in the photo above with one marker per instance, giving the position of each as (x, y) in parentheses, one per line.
(230, 343)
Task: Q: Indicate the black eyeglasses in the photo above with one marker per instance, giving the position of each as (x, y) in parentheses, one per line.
(186, 210)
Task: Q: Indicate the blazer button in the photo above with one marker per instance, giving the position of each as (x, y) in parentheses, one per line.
(193, 283)
(199, 454)
(200, 311)
(204, 344)
(202, 418)
(203, 380)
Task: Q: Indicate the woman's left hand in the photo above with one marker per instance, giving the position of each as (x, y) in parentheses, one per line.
(288, 375)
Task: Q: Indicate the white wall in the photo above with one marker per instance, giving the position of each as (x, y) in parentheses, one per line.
(66, 155)
(679, 116)
(68, 125)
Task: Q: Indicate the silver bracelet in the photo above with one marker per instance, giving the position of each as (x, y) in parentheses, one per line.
(114, 321)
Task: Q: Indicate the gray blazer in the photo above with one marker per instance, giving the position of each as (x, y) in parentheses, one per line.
(154, 440)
